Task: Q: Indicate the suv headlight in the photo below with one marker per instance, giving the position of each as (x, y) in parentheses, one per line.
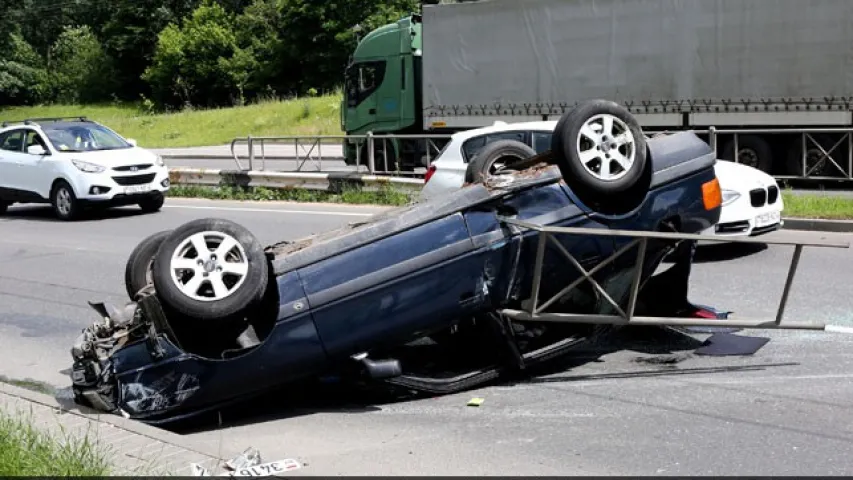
(159, 161)
(729, 196)
(88, 167)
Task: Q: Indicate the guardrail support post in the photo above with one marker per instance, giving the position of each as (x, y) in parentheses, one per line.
(370, 158)
(712, 139)
(251, 153)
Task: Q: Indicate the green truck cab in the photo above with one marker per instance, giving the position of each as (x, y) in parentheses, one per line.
(382, 94)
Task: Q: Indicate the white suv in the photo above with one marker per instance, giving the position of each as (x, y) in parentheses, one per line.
(71, 163)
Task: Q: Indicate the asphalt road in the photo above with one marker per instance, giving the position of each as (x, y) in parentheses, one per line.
(783, 411)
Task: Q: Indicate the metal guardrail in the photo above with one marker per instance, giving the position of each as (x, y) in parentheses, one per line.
(310, 148)
(813, 154)
(806, 137)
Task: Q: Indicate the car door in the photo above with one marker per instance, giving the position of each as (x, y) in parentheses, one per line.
(35, 171)
(11, 153)
(551, 206)
(393, 286)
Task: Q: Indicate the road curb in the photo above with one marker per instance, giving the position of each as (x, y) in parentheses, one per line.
(122, 433)
(328, 181)
(819, 225)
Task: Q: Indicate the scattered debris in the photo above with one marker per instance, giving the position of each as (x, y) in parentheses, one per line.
(248, 464)
(476, 402)
(663, 359)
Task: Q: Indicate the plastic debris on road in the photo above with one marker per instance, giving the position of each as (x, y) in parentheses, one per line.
(476, 402)
(248, 464)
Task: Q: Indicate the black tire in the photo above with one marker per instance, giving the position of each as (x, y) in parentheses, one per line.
(509, 151)
(4, 207)
(241, 297)
(794, 159)
(756, 151)
(65, 204)
(566, 148)
(153, 203)
(138, 271)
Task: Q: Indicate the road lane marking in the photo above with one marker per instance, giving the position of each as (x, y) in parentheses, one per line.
(269, 210)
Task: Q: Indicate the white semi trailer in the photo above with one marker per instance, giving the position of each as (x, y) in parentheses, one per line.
(778, 73)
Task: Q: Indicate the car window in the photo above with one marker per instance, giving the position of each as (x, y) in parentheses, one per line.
(12, 141)
(86, 137)
(33, 138)
(541, 141)
(473, 145)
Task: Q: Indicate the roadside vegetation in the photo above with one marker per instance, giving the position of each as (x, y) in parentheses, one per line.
(385, 195)
(27, 451)
(819, 206)
(311, 115)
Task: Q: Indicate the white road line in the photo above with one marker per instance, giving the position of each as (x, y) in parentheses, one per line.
(269, 210)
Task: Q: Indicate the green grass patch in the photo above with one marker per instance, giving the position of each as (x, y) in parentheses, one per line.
(190, 128)
(824, 206)
(27, 451)
(385, 195)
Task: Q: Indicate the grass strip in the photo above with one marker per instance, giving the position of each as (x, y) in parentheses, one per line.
(385, 195)
(822, 207)
(28, 451)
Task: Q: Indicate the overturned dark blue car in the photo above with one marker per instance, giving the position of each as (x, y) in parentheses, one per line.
(216, 318)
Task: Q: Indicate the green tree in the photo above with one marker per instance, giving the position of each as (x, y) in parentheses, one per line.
(23, 76)
(316, 38)
(200, 62)
(79, 69)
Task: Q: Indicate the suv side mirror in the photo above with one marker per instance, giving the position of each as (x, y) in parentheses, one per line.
(132, 142)
(36, 150)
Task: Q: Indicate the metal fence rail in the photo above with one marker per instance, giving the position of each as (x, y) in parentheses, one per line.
(536, 310)
(314, 150)
(310, 149)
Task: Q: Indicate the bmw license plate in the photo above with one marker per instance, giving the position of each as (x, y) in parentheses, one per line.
(137, 189)
(766, 219)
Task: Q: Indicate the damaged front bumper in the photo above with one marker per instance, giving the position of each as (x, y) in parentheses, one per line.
(132, 363)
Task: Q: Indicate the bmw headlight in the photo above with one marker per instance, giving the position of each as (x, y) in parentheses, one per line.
(88, 167)
(729, 196)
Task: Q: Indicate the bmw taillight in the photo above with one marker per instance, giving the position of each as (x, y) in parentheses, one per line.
(429, 173)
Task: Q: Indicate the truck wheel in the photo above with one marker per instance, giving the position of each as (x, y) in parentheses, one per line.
(600, 148)
(815, 157)
(211, 270)
(753, 151)
(496, 158)
(379, 156)
(138, 269)
(4, 206)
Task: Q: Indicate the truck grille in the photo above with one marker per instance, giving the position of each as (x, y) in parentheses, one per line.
(135, 179)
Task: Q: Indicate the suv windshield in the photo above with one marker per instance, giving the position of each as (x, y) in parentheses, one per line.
(83, 138)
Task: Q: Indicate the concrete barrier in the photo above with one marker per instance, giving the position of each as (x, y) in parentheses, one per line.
(331, 181)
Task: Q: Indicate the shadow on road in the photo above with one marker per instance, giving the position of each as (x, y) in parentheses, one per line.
(720, 252)
(45, 214)
(659, 352)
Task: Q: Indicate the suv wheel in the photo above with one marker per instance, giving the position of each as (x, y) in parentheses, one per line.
(65, 204)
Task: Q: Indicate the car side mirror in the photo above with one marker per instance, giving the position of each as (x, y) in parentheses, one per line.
(36, 150)
(132, 142)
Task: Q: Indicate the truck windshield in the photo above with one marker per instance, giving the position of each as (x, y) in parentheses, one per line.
(362, 79)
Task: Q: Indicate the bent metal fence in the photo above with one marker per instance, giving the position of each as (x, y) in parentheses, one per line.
(534, 311)
(373, 152)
